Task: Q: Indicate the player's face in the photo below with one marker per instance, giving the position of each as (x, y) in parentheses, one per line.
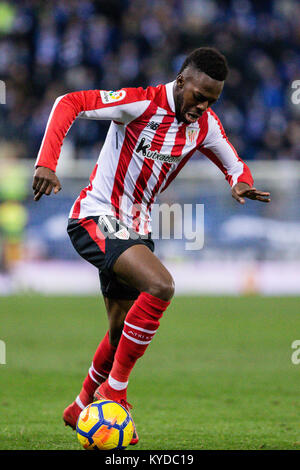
(194, 93)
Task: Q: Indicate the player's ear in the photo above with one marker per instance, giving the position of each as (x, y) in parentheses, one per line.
(180, 80)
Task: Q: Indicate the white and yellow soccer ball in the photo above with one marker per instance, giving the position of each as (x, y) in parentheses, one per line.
(104, 425)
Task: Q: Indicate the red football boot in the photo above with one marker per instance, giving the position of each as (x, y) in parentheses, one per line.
(70, 415)
(72, 412)
(102, 392)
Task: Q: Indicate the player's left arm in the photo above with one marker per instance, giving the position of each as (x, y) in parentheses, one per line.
(121, 106)
(222, 153)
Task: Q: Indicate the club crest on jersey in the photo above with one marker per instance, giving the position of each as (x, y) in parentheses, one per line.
(192, 135)
(112, 96)
(123, 234)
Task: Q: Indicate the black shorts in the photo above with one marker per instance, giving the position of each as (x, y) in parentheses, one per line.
(101, 240)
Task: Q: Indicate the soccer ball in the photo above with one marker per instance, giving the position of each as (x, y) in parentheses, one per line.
(104, 425)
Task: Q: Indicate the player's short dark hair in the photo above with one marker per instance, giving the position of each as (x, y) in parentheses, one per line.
(208, 60)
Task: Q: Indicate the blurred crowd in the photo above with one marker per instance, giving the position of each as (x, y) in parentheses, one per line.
(51, 48)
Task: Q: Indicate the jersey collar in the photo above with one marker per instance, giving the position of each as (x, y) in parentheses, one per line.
(170, 95)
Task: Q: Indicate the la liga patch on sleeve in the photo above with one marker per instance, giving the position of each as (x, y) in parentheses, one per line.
(108, 97)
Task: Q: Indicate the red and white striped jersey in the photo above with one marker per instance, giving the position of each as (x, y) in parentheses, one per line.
(144, 150)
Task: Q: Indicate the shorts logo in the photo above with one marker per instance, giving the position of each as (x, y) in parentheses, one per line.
(103, 219)
(192, 135)
(112, 96)
(113, 227)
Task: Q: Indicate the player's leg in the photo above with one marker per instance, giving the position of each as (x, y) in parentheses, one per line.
(117, 310)
(88, 242)
(99, 370)
(104, 355)
(135, 265)
(142, 270)
(102, 360)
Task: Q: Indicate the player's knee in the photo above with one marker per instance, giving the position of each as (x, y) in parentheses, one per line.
(163, 288)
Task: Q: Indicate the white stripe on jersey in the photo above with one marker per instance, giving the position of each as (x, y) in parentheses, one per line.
(123, 113)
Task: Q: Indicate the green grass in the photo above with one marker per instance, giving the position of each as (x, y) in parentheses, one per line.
(218, 374)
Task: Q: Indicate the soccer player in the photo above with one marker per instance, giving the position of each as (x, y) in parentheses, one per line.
(152, 135)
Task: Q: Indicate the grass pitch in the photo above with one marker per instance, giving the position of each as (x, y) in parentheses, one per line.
(218, 375)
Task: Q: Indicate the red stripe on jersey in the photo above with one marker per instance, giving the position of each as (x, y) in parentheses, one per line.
(180, 141)
(147, 167)
(94, 232)
(133, 131)
(83, 194)
(246, 176)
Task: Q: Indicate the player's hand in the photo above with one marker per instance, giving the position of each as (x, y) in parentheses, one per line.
(44, 181)
(242, 190)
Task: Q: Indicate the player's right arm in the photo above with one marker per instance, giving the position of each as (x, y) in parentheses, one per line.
(122, 106)
(221, 152)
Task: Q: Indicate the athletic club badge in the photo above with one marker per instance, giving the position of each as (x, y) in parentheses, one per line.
(191, 135)
(123, 234)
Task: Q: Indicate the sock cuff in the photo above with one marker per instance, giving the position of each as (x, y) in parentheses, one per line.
(155, 302)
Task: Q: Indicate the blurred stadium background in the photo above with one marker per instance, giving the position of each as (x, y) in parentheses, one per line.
(49, 49)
